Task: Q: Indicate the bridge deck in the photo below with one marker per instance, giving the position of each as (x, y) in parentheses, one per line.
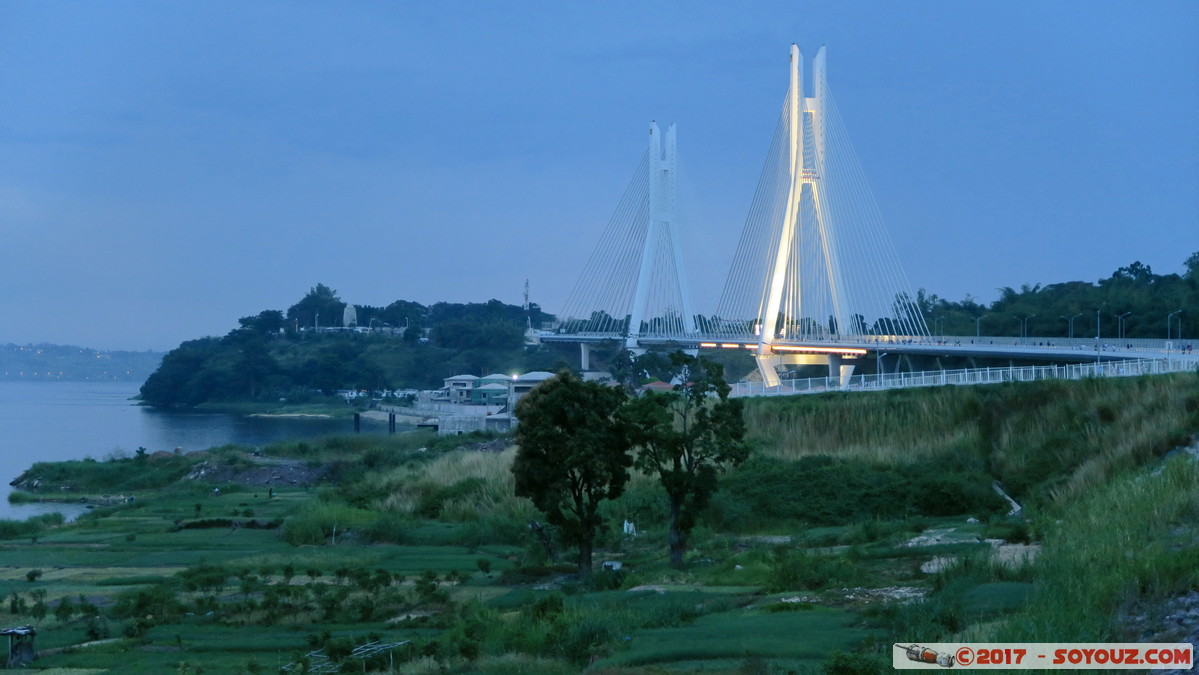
(1039, 348)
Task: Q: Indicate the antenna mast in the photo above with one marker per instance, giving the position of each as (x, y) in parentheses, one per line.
(528, 314)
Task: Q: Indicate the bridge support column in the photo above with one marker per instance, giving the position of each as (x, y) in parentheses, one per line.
(768, 364)
(839, 369)
(584, 356)
(846, 374)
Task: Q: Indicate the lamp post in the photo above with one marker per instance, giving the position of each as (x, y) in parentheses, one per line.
(1071, 320)
(1024, 325)
(940, 320)
(978, 323)
(1120, 324)
(1170, 319)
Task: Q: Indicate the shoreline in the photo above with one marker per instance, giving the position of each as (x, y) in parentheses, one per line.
(292, 415)
(382, 415)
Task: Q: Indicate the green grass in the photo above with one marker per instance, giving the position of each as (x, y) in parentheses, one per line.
(804, 637)
(1047, 442)
(839, 485)
(1128, 544)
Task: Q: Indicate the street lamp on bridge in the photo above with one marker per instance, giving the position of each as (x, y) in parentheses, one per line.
(1120, 324)
(1024, 325)
(977, 322)
(1169, 320)
(1071, 320)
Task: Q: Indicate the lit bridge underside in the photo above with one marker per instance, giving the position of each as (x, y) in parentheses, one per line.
(1058, 350)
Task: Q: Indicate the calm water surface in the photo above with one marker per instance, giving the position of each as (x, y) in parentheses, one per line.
(52, 421)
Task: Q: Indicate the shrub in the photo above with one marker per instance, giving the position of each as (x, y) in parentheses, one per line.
(856, 664)
(97, 628)
(605, 580)
(318, 521)
(796, 570)
(433, 501)
(158, 600)
(547, 607)
(589, 636)
(10, 529)
(1014, 531)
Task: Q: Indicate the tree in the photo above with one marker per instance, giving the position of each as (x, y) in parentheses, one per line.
(403, 314)
(64, 610)
(255, 366)
(268, 322)
(1192, 266)
(38, 609)
(320, 301)
(687, 437)
(573, 453)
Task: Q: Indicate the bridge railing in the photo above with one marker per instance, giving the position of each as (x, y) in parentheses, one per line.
(1082, 344)
(936, 378)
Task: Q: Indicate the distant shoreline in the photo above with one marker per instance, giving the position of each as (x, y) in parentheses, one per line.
(320, 415)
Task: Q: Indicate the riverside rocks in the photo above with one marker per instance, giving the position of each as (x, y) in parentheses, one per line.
(1175, 621)
(275, 474)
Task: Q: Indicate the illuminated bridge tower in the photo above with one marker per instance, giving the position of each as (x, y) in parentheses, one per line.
(815, 269)
(805, 131)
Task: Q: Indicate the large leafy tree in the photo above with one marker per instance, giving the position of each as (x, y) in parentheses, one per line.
(687, 437)
(268, 322)
(572, 453)
(321, 301)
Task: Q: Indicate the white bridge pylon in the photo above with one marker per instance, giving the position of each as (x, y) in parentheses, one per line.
(635, 284)
(815, 263)
(805, 171)
(661, 231)
(806, 152)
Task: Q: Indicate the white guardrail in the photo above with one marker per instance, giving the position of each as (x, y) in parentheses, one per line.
(937, 378)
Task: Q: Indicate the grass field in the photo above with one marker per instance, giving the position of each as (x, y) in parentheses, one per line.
(814, 556)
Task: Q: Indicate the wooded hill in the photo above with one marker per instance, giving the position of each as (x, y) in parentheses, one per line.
(285, 355)
(1144, 300)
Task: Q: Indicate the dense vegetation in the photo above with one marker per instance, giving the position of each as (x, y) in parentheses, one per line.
(276, 355)
(1133, 302)
(808, 559)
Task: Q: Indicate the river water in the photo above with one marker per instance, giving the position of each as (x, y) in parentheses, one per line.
(52, 421)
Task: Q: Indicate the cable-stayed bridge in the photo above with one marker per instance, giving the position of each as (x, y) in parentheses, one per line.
(814, 279)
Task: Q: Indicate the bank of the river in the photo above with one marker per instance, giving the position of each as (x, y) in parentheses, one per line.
(57, 421)
(232, 575)
(331, 409)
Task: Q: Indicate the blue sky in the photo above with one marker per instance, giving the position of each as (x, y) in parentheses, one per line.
(166, 168)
